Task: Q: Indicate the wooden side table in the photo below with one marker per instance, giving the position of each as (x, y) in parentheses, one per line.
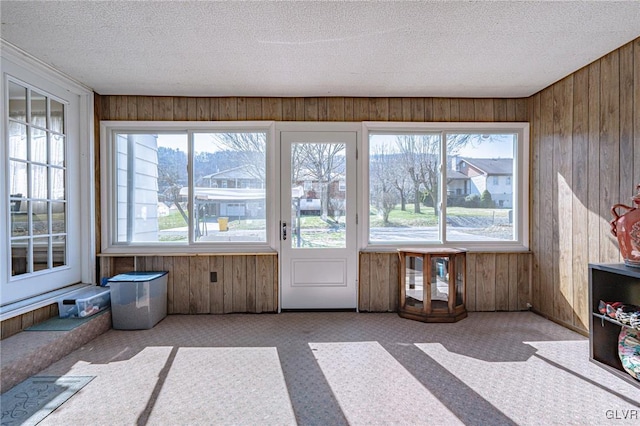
(432, 285)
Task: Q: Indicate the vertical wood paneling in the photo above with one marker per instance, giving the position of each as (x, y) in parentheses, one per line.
(502, 282)
(132, 108)
(534, 196)
(167, 265)
(251, 302)
(272, 109)
(360, 109)
(379, 293)
(239, 274)
(227, 109)
(264, 286)
(417, 109)
(228, 284)
(335, 109)
(288, 109)
(546, 202)
(627, 188)
(594, 162)
(562, 212)
(379, 109)
(364, 283)
(609, 150)
(513, 281)
(214, 109)
(216, 290)
(254, 109)
(163, 108)
(180, 109)
(323, 109)
(500, 110)
(203, 109)
(580, 187)
(181, 285)
(395, 109)
(467, 109)
(441, 109)
(483, 109)
(524, 281)
(471, 282)
(486, 282)
(199, 285)
(311, 109)
(394, 279)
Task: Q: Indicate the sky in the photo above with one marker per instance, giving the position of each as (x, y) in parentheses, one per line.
(497, 146)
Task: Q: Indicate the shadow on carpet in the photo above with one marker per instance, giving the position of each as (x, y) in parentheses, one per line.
(34, 399)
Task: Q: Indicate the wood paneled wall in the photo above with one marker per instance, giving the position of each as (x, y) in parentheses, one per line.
(585, 157)
(245, 283)
(309, 109)
(495, 281)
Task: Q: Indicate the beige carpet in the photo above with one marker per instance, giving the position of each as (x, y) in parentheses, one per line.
(343, 368)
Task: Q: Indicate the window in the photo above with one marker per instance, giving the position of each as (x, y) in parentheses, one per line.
(410, 167)
(222, 202)
(47, 243)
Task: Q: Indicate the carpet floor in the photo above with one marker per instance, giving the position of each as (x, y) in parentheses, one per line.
(337, 368)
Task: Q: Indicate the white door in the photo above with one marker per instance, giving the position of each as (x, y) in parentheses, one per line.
(318, 220)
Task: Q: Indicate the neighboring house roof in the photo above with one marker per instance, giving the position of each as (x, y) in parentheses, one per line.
(241, 172)
(225, 194)
(491, 166)
(452, 174)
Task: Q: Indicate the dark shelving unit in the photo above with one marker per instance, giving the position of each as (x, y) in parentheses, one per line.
(611, 282)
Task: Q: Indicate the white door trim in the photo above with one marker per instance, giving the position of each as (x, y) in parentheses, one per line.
(353, 207)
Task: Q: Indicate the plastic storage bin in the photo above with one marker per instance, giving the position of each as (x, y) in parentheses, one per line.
(84, 302)
(138, 299)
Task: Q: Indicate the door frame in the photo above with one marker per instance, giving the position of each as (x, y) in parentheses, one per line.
(355, 127)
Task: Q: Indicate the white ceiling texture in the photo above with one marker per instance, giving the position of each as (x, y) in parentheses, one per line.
(319, 48)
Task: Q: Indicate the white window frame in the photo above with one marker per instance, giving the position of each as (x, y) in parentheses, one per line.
(18, 290)
(520, 183)
(107, 184)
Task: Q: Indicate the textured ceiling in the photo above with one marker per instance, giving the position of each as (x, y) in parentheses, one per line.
(428, 48)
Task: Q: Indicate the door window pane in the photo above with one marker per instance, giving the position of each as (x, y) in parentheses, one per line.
(17, 102)
(17, 140)
(56, 149)
(38, 109)
(57, 117)
(38, 145)
(37, 180)
(318, 213)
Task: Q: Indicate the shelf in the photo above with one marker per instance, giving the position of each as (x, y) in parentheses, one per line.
(610, 281)
(613, 321)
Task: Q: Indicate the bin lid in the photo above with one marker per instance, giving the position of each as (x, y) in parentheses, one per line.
(137, 276)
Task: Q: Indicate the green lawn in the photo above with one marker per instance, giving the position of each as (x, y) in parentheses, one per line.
(426, 217)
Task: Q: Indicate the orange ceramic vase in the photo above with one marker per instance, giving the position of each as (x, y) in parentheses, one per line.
(626, 227)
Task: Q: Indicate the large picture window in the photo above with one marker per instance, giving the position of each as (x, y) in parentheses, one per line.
(196, 186)
(455, 184)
